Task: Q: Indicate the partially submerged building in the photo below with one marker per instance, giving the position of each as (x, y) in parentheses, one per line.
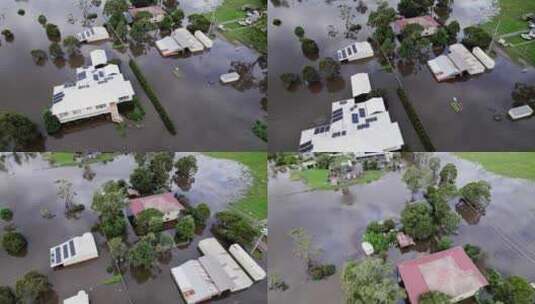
(460, 61)
(93, 34)
(205, 40)
(520, 112)
(355, 126)
(355, 51)
(247, 262)
(428, 23)
(464, 60)
(443, 68)
(166, 203)
(450, 271)
(81, 298)
(76, 250)
(487, 61)
(180, 40)
(97, 90)
(157, 13)
(214, 274)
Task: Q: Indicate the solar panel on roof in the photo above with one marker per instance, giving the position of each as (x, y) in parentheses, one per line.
(58, 254)
(65, 251)
(371, 119)
(335, 112)
(92, 31)
(95, 77)
(71, 246)
(354, 47)
(344, 53)
(82, 75)
(336, 118)
(362, 113)
(355, 118)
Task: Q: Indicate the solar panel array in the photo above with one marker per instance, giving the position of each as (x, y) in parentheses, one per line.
(355, 118)
(58, 97)
(71, 246)
(322, 129)
(82, 75)
(368, 120)
(306, 147)
(364, 126)
(337, 115)
(337, 134)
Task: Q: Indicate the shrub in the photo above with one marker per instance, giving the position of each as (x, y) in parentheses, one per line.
(200, 214)
(8, 34)
(444, 243)
(152, 97)
(475, 36)
(52, 123)
(177, 15)
(311, 75)
(290, 79)
(185, 228)
(33, 287)
(55, 51)
(52, 31)
(319, 272)
(260, 130)
(145, 222)
(299, 31)
(6, 214)
(17, 132)
(277, 22)
(198, 22)
(21, 12)
(309, 47)
(39, 56)
(233, 228)
(14, 243)
(138, 113)
(329, 68)
(112, 226)
(6, 295)
(415, 120)
(474, 252)
(41, 19)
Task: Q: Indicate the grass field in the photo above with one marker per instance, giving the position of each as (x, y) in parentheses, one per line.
(254, 203)
(251, 36)
(62, 159)
(510, 164)
(511, 12)
(317, 179)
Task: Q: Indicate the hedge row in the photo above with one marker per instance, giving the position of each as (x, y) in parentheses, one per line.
(415, 120)
(153, 98)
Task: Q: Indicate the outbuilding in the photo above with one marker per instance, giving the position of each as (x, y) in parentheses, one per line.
(81, 298)
(247, 262)
(76, 250)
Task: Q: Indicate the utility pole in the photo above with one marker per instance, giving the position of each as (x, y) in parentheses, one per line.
(494, 35)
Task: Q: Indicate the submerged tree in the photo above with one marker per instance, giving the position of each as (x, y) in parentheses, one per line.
(417, 221)
(32, 288)
(434, 297)
(66, 192)
(477, 194)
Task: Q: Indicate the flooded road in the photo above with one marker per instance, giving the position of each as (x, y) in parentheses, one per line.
(29, 187)
(203, 110)
(483, 96)
(337, 223)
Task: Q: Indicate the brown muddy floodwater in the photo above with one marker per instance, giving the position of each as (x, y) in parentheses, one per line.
(28, 187)
(207, 114)
(483, 96)
(337, 222)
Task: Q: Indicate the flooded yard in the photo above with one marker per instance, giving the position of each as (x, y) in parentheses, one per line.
(484, 97)
(203, 109)
(337, 222)
(29, 187)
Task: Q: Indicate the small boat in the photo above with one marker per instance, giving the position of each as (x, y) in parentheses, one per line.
(456, 105)
(229, 77)
(176, 71)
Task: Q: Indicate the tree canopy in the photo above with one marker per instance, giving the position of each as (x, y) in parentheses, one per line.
(434, 297)
(17, 133)
(32, 287)
(477, 194)
(417, 221)
(232, 227)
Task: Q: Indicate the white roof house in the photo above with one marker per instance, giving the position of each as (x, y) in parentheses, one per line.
(443, 68)
(520, 112)
(180, 40)
(354, 127)
(81, 298)
(93, 34)
(229, 77)
(211, 247)
(247, 262)
(98, 57)
(95, 91)
(360, 84)
(194, 282)
(355, 51)
(487, 61)
(73, 251)
(464, 60)
(207, 42)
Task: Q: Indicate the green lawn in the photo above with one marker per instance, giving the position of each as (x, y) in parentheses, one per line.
(511, 164)
(511, 12)
(62, 159)
(251, 36)
(254, 203)
(317, 179)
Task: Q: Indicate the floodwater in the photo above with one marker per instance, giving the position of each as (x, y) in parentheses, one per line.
(203, 110)
(483, 97)
(28, 187)
(337, 223)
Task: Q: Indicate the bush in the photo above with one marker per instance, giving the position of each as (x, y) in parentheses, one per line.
(475, 36)
(21, 12)
(311, 75)
(14, 243)
(260, 130)
(17, 133)
(41, 19)
(52, 31)
(415, 120)
(198, 22)
(112, 226)
(145, 222)
(55, 51)
(299, 31)
(319, 272)
(185, 228)
(6, 214)
(39, 56)
(290, 79)
(33, 287)
(277, 22)
(52, 123)
(138, 113)
(6, 295)
(153, 98)
(200, 214)
(309, 47)
(444, 243)
(329, 68)
(474, 252)
(233, 228)
(177, 15)
(8, 34)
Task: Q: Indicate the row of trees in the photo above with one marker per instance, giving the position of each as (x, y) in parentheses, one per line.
(33, 287)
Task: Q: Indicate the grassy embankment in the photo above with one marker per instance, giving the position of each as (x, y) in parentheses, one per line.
(510, 18)
(65, 159)
(230, 12)
(318, 179)
(510, 164)
(254, 203)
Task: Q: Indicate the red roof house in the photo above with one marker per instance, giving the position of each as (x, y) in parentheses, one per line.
(166, 203)
(450, 271)
(429, 24)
